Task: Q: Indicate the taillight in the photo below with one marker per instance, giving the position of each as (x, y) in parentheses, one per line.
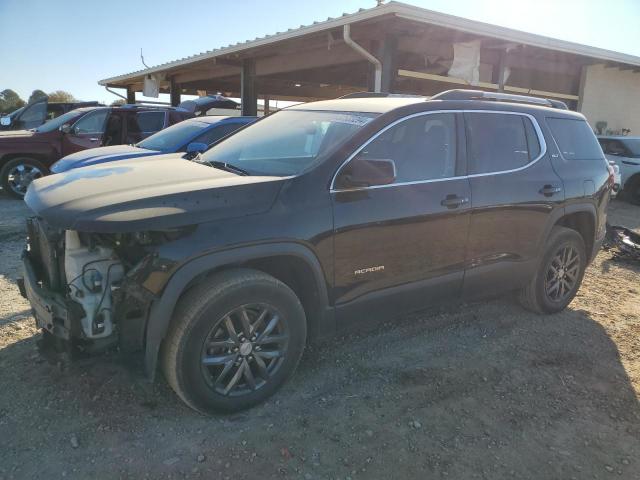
(612, 178)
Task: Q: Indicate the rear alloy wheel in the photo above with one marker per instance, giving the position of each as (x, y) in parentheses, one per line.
(233, 341)
(17, 175)
(559, 273)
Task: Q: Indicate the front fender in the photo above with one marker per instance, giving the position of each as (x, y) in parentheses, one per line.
(161, 310)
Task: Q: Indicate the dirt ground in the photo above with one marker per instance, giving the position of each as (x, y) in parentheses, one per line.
(472, 391)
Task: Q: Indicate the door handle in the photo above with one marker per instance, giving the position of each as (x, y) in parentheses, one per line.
(549, 190)
(453, 201)
(94, 139)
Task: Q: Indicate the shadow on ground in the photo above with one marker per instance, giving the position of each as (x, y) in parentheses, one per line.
(482, 391)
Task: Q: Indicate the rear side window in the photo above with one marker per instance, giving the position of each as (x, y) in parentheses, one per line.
(499, 142)
(150, 122)
(575, 139)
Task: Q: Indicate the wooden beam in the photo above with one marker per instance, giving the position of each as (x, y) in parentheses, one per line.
(317, 58)
(486, 85)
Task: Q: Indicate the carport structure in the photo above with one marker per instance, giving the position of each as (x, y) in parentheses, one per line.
(392, 48)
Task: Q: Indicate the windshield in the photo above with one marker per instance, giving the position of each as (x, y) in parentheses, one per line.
(173, 137)
(633, 144)
(287, 142)
(57, 122)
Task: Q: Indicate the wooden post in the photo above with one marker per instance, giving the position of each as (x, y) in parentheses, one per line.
(131, 96)
(265, 110)
(248, 88)
(174, 93)
(388, 57)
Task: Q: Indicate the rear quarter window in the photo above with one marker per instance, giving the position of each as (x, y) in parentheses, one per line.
(575, 139)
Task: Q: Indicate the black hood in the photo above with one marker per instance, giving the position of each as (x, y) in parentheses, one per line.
(154, 193)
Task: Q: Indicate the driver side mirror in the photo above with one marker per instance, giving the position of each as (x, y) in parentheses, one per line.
(197, 147)
(66, 128)
(365, 172)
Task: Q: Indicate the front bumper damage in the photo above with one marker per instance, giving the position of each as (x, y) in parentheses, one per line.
(52, 311)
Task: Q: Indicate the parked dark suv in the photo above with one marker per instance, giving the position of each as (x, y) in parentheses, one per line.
(27, 154)
(222, 268)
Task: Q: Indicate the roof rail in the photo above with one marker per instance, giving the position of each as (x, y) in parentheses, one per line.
(461, 94)
(380, 95)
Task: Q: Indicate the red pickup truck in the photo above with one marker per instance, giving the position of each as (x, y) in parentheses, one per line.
(27, 154)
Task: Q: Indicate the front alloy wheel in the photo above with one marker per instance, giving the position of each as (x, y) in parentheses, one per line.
(233, 341)
(244, 350)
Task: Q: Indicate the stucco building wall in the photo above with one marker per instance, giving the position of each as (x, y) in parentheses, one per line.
(611, 95)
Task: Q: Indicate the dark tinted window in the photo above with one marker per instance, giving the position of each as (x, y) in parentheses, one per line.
(613, 147)
(216, 133)
(575, 139)
(150, 122)
(499, 142)
(423, 147)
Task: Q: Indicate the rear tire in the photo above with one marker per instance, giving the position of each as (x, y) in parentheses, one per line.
(559, 274)
(632, 190)
(205, 360)
(17, 174)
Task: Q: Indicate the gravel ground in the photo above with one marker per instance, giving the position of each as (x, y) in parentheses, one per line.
(472, 391)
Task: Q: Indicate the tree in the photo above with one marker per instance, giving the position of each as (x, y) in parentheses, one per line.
(36, 94)
(10, 101)
(118, 102)
(60, 96)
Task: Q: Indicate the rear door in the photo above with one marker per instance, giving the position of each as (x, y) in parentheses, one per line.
(579, 160)
(402, 245)
(87, 132)
(514, 193)
(32, 116)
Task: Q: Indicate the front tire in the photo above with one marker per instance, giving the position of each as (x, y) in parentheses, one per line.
(559, 274)
(17, 174)
(234, 340)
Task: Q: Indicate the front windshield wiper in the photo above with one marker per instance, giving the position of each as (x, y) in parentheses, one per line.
(227, 167)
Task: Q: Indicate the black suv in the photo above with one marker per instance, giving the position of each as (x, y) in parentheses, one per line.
(223, 267)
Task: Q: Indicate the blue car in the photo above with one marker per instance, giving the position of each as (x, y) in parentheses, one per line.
(192, 135)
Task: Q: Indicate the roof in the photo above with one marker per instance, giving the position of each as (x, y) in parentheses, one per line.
(407, 12)
(210, 119)
(363, 105)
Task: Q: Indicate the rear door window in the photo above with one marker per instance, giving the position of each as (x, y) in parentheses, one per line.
(575, 139)
(498, 142)
(143, 124)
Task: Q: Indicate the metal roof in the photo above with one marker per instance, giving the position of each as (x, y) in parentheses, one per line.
(407, 12)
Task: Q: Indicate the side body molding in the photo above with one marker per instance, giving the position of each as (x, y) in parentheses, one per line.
(162, 310)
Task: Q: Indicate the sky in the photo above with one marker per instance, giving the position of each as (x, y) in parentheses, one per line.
(71, 44)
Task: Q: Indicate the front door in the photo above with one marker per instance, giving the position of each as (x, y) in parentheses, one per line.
(86, 133)
(401, 246)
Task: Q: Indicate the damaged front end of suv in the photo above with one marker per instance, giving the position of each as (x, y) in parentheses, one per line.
(94, 290)
(99, 254)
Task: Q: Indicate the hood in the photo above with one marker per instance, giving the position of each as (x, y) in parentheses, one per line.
(94, 156)
(147, 194)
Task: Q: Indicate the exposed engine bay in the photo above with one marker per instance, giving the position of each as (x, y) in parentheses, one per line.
(92, 275)
(76, 279)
